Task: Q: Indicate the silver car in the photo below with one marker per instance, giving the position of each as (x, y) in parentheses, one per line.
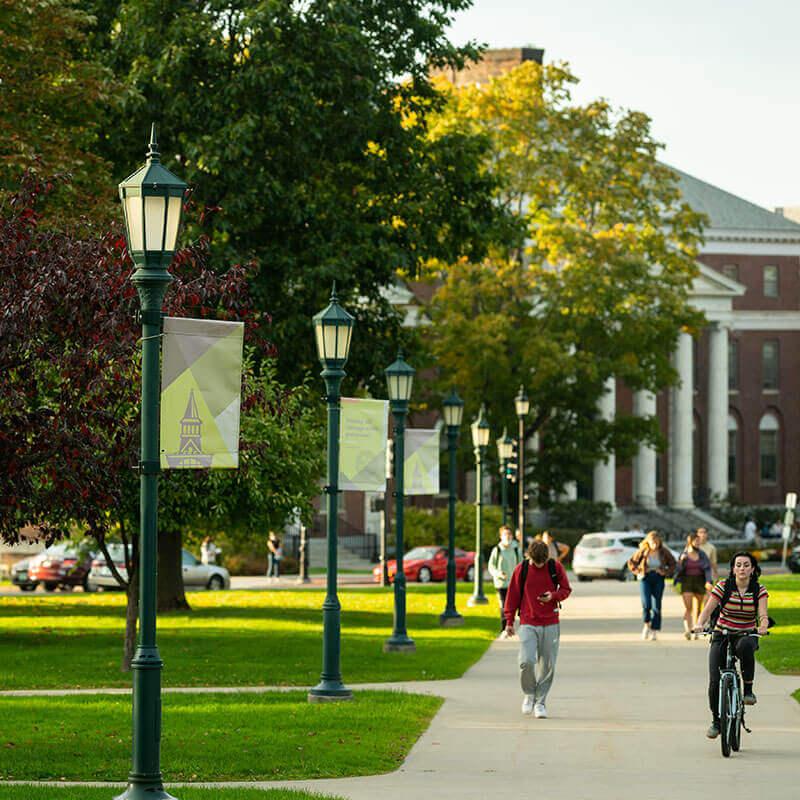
(195, 574)
(605, 555)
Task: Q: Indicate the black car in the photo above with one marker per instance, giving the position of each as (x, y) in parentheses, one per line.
(19, 576)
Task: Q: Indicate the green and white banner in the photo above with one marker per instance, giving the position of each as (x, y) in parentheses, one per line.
(421, 472)
(201, 386)
(362, 444)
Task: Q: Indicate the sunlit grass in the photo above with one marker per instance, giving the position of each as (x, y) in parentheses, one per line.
(237, 638)
(780, 651)
(184, 793)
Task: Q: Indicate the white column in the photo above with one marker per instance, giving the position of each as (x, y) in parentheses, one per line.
(680, 435)
(569, 492)
(604, 482)
(644, 462)
(718, 411)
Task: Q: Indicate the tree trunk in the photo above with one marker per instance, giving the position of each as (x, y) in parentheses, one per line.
(171, 596)
(131, 616)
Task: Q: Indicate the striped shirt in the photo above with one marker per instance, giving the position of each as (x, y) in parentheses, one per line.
(741, 611)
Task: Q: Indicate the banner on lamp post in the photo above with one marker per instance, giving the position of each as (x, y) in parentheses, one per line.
(421, 469)
(363, 430)
(201, 388)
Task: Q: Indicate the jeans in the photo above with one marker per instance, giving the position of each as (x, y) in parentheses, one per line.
(651, 589)
(538, 651)
(273, 566)
(501, 598)
(746, 647)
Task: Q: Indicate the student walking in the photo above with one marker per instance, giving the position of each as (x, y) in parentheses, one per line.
(693, 576)
(274, 556)
(505, 556)
(537, 588)
(652, 563)
(209, 551)
(710, 550)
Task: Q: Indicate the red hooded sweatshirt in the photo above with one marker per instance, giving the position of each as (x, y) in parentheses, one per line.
(533, 611)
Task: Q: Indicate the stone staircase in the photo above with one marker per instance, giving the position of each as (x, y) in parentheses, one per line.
(673, 523)
(318, 556)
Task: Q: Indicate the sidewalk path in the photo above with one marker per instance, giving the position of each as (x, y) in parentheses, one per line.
(627, 719)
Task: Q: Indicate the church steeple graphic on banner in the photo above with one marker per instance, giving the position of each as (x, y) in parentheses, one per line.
(190, 452)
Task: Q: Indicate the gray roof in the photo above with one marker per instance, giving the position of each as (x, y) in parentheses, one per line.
(727, 211)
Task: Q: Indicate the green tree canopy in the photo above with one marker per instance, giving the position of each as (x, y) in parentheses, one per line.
(599, 288)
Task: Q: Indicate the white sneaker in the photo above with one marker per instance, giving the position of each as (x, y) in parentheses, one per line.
(539, 711)
(653, 635)
(527, 704)
(645, 632)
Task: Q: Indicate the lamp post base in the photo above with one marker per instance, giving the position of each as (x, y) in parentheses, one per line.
(137, 791)
(329, 692)
(477, 600)
(399, 644)
(450, 619)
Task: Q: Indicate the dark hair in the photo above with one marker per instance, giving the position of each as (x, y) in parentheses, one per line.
(752, 586)
(538, 551)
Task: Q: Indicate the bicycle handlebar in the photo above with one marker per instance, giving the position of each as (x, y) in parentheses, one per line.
(732, 631)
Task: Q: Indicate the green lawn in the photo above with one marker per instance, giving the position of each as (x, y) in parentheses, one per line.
(219, 737)
(780, 651)
(182, 793)
(236, 638)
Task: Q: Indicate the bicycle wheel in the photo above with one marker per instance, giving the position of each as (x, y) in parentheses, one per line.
(736, 718)
(726, 721)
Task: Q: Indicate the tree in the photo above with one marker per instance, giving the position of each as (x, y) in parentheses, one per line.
(69, 401)
(598, 289)
(53, 98)
(291, 118)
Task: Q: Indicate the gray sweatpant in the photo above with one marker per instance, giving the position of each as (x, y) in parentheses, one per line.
(538, 651)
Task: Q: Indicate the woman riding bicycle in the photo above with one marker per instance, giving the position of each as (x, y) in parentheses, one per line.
(742, 604)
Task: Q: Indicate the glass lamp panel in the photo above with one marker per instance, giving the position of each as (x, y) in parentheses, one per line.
(483, 435)
(330, 334)
(523, 406)
(133, 217)
(452, 415)
(154, 208)
(346, 335)
(475, 435)
(173, 221)
(406, 382)
(320, 337)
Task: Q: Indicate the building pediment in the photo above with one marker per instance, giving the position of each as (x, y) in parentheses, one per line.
(710, 283)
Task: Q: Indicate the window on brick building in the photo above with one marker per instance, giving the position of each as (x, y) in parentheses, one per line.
(768, 440)
(770, 362)
(733, 364)
(731, 271)
(770, 281)
(733, 440)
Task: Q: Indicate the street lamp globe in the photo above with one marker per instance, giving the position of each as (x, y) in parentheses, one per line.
(505, 446)
(480, 430)
(522, 403)
(399, 379)
(333, 328)
(152, 201)
(453, 408)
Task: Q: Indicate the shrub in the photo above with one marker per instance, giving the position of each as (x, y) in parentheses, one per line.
(582, 515)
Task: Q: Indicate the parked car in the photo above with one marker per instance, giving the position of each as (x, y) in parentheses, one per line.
(426, 564)
(64, 565)
(605, 555)
(20, 576)
(793, 561)
(195, 574)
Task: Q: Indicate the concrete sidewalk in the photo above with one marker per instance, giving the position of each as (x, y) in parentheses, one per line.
(627, 718)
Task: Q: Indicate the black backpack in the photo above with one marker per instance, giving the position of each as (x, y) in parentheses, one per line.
(551, 568)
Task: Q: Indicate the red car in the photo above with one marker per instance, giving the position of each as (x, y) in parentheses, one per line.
(61, 565)
(426, 564)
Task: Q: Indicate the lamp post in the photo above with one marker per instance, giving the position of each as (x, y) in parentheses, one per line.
(302, 572)
(399, 380)
(505, 451)
(152, 201)
(453, 413)
(480, 441)
(333, 328)
(522, 406)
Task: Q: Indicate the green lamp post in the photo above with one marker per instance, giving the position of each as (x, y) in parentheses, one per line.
(333, 328)
(505, 451)
(522, 406)
(152, 201)
(399, 380)
(453, 408)
(480, 441)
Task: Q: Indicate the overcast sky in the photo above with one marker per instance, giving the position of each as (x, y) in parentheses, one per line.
(719, 78)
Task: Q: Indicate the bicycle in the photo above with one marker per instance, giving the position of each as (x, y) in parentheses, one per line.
(731, 705)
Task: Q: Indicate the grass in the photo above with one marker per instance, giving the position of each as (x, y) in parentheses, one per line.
(236, 639)
(184, 793)
(273, 736)
(780, 651)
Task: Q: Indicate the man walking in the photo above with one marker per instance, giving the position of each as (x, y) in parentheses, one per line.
(710, 550)
(537, 588)
(505, 556)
